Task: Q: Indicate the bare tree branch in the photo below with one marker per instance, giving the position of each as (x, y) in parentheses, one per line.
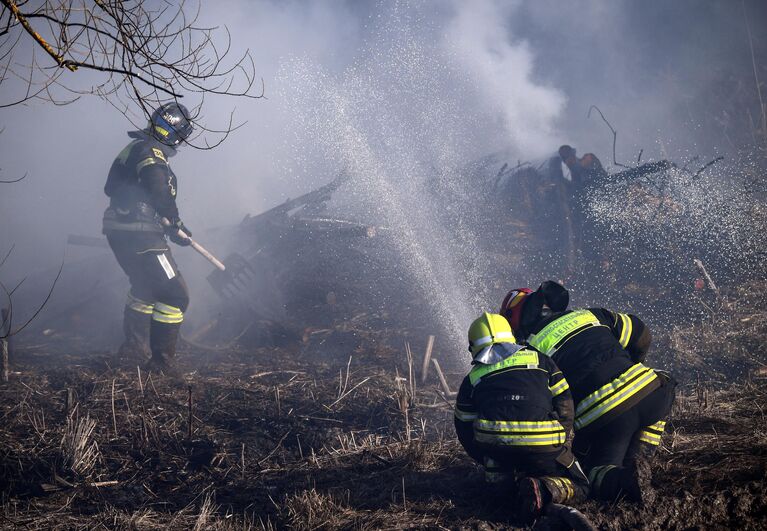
(146, 52)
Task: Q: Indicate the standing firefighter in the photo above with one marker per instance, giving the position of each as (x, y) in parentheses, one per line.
(142, 190)
(514, 415)
(620, 404)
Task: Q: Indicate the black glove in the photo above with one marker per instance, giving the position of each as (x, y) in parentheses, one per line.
(172, 231)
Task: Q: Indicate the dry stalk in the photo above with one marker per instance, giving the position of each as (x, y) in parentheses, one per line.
(6, 363)
(80, 451)
(426, 359)
(405, 391)
(114, 415)
(207, 509)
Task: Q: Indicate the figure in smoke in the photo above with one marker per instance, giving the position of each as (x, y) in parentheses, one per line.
(514, 415)
(620, 404)
(142, 191)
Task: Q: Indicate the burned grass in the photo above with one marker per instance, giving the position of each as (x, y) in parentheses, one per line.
(281, 438)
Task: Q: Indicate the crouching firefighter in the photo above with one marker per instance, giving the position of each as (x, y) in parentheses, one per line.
(620, 403)
(514, 415)
(142, 190)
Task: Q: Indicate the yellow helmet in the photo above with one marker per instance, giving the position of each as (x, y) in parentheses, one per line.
(487, 330)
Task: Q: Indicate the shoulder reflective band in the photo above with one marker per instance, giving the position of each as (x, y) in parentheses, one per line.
(626, 329)
(612, 394)
(523, 358)
(560, 387)
(557, 332)
(146, 162)
(519, 433)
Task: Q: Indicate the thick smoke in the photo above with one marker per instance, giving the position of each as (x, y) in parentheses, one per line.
(398, 94)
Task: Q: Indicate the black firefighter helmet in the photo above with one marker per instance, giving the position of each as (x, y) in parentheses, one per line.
(171, 124)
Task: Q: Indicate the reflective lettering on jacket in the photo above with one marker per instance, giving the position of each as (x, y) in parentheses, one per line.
(539, 434)
(524, 358)
(555, 334)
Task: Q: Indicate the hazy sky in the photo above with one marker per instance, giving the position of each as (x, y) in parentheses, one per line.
(516, 75)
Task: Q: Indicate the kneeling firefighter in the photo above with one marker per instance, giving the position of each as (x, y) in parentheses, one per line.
(142, 191)
(620, 403)
(514, 415)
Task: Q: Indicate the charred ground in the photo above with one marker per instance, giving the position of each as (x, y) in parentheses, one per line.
(305, 436)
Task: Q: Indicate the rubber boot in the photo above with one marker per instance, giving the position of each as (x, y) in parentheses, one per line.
(162, 341)
(559, 517)
(636, 482)
(564, 490)
(531, 496)
(136, 325)
(610, 483)
(494, 473)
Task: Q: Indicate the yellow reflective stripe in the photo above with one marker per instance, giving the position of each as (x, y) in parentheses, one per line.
(137, 305)
(519, 425)
(560, 387)
(165, 313)
(163, 132)
(146, 162)
(553, 439)
(613, 394)
(650, 438)
(465, 416)
(566, 486)
(519, 433)
(557, 332)
(610, 388)
(626, 329)
(652, 434)
(524, 357)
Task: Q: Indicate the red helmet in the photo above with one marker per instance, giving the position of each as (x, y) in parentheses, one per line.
(511, 307)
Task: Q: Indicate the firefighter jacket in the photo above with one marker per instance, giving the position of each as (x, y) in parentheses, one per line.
(521, 403)
(141, 187)
(600, 353)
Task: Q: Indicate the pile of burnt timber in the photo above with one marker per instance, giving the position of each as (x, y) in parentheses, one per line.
(298, 269)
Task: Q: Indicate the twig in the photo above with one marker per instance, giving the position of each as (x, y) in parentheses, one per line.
(140, 383)
(442, 379)
(762, 107)
(426, 359)
(706, 166)
(242, 460)
(614, 132)
(710, 280)
(404, 498)
(190, 417)
(114, 416)
(275, 448)
(6, 364)
(349, 392)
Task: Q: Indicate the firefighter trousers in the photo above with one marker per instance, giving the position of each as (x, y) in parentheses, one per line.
(158, 295)
(559, 471)
(609, 453)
